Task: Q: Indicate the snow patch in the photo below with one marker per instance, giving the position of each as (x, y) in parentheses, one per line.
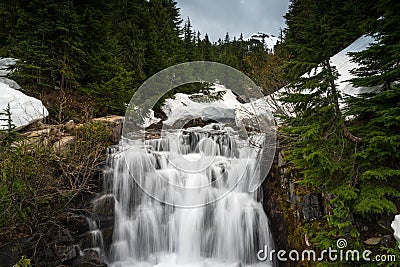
(150, 119)
(24, 109)
(5, 63)
(344, 64)
(226, 109)
(396, 227)
(11, 83)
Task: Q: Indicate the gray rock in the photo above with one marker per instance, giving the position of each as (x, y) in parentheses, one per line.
(311, 207)
(69, 126)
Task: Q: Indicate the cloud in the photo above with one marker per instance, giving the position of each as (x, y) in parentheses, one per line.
(216, 17)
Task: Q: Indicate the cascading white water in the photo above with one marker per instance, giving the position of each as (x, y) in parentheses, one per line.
(186, 202)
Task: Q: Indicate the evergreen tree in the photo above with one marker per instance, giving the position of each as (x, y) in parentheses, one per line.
(47, 40)
(377, 116)
(320, 143)
(189, 41)
(162, 38)
(227, 38)
(103, 76)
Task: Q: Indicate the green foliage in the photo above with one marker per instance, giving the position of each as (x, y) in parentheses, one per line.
(23, 262)
(394, 251)
(8, 135)
(23, 167)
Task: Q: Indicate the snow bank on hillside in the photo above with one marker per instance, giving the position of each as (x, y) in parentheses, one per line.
(227, 109)
(342, 61)
(396, 227)
(24, 109)
(149, 119)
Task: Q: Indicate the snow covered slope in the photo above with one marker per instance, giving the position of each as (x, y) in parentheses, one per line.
(24, 109)
(183, 107)
(342, 61)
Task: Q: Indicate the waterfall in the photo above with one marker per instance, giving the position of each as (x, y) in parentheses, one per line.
(183, 200)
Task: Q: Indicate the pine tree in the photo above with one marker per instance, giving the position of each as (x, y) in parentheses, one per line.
(47, 37)
(227, 38)
(103, 76)
(128, 18)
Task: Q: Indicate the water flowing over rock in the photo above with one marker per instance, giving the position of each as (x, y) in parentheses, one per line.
(186, 201)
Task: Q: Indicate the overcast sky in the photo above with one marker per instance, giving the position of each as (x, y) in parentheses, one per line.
(216, 17)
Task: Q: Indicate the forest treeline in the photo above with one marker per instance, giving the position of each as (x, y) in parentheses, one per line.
(92, 55)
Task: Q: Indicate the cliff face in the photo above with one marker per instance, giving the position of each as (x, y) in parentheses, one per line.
(286, 210)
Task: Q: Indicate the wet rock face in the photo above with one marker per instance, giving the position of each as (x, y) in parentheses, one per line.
(311, 207)
(63, 246)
